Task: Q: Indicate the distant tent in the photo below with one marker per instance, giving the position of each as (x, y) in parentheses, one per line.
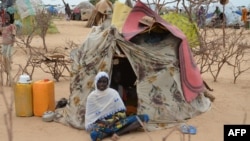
(25, 15)
(156, 66)
(28, 7)
(26, 10)
(52, 10)
(232, 13)
(76, 10)
(102, 11)
(86, 9)
(85, 5)
(76, 14)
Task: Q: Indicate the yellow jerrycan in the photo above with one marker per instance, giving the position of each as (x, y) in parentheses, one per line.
(43, 97)
(23, 97)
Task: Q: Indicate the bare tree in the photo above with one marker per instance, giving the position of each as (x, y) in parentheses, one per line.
(8, 115)
(240, 62)
(43, 22)
(1, 71)
(23, 43)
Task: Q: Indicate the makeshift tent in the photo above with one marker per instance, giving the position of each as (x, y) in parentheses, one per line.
(52, 10)
(86, 9)
(26, 10)
(190, 30)
(76, 14)
(28, 7)
(156, 65)
(103, 9)
(25, 16)
(231, 12)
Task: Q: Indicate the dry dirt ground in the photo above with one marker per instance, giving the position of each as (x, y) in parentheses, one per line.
(231, 106)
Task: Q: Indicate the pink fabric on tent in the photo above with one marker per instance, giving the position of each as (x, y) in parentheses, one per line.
(192, 83)
(76, 10)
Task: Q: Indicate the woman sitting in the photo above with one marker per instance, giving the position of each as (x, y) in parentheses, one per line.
(105, 112)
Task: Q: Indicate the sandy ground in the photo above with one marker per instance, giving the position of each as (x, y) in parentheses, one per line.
(232, 104)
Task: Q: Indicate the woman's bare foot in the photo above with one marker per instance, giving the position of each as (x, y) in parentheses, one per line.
(115, 137)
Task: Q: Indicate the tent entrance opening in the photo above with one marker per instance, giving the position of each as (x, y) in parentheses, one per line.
(123, 80)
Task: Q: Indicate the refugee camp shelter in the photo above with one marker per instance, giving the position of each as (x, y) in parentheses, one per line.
(26, 10)
(156, 65)
(86, 9)
(231, 12)
(52, 10)
(103, 9)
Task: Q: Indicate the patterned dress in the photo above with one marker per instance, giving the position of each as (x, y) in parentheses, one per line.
(113, 124)
(106, 113)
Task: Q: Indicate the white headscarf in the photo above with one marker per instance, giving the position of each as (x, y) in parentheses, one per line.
(100, 75)
(101, 104)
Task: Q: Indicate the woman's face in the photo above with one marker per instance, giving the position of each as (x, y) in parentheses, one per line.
(102, 83)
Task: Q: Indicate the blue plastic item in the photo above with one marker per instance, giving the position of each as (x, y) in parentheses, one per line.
(188, 129)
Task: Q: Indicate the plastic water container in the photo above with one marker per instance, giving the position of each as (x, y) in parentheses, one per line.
(23, 97)
(43, 97)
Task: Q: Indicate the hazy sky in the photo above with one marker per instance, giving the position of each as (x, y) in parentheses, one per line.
(75, 2)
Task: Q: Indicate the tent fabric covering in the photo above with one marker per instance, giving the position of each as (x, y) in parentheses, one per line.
(120, 14)
(24, 15)
(154, 59)
(28, 7)
(104, 6)
(86, 9)
(233, 14)
(192, 83)
(103, 10)
(158, 85)
(188, 28)
(85, 5)
(25, 12)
